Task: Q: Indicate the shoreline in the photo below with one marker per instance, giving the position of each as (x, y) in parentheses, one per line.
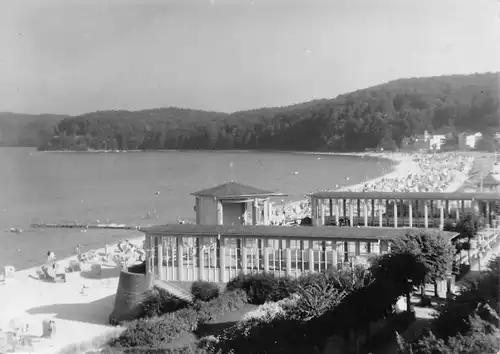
(80, 317)
(80, 307)
(404, 165)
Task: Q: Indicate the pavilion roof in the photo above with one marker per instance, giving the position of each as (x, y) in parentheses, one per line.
(489, 180)
(234, 190)
(407, 195)
(324, 233)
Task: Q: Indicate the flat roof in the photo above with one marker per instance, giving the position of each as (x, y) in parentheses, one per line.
(408, 195)
(234, 190)
(288, 232)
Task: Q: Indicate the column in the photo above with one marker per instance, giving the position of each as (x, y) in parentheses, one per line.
(222, 261)
(345, 207)
(351, 213)
(441, 215)
(314, 211)
(201, 259)
(410, 213)
(373, 212)
(395, 214)
(266, 255)
(334, 254)
(457, 212)
(384, 246)
(323, 212)
(244, 257)
(330, 200)
(159, 258)
(288, 264)
(149, 255)
(266, 213)
(198, 210)
(337, 211)
(380, 214)
(447, 208)
(358, 203)
(219, 213)
(357, 245)
(311, 257)
(426, 214)
(463, 208)
(387, 211)
(180, 259)
(255, 210)
(365, 211)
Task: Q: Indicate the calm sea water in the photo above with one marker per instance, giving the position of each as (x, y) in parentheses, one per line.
(121, 187)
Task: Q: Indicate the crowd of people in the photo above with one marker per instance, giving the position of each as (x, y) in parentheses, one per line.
(417, 172)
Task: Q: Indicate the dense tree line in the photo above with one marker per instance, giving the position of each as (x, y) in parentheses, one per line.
(26, 129)
(379, 116)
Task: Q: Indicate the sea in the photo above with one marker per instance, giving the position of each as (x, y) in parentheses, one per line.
(122, 187)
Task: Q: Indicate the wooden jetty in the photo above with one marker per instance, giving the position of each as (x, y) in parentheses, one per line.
(113, 226)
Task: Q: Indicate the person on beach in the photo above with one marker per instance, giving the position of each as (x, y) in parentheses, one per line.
(51, 259)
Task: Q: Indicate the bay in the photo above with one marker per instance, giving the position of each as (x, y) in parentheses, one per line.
(123, 186)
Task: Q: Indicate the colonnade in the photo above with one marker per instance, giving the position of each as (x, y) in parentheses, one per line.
(395, 213)
(188, 258)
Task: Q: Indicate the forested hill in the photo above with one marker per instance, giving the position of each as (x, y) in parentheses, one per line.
(379, 116)
(26, 129)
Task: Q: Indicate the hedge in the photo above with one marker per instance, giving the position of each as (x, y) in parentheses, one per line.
(204, 291)
(190, 349)
(263, 287)
(157, 331)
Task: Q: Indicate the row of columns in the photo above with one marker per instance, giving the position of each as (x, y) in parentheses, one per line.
(155, 255)
(319, 211)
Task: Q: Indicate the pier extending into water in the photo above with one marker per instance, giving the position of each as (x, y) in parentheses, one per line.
(86, 226)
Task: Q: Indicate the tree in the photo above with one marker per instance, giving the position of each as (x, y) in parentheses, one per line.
(482, 338)
(431, 249)
(382, 116)
(475, 298)
(403, 269)
(468, 227)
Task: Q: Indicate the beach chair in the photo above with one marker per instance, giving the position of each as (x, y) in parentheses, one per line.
(95, 270)
(50, 273)
(74, 266)
(9, 272)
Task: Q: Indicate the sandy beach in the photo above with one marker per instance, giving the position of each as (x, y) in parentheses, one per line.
(413, 172)
(81, 306)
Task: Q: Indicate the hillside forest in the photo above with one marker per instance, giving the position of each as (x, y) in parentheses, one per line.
(384, 116)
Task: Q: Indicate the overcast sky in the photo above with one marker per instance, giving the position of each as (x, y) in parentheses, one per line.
(75, 56)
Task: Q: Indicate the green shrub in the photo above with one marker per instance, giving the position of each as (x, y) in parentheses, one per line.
(398, 323)
(204, 291)
(158, 331)
(155, 332)
(160, 302)
(314, 299)
(227, 302)
(190, 349)
(263, 287)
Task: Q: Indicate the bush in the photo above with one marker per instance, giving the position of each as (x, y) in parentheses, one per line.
(396, 324)
(317, 297)
(263, 287)
(190, 349)
(204, 291)
(160, 302)
(157, 331)
(227, 302)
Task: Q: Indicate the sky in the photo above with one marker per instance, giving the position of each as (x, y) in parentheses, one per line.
(77, 56)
